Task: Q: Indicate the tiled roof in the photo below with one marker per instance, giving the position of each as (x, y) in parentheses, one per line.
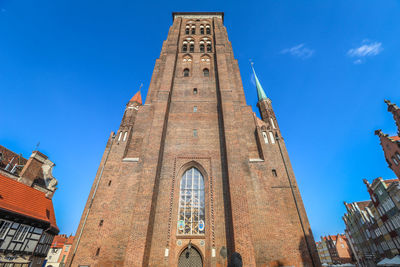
(137, 98)
(363, 204)
(59, 241)
(390, 181)
(395, 138)
(70, 240)
(19, 198)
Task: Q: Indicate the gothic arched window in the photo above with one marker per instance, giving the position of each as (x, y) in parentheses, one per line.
(187, 30)
(201, 29)
(186, 73)
(206, 72)
(201, 48)
(193, 30)
(191, 216)
(208, 47)
(184, 48)
(191, 49)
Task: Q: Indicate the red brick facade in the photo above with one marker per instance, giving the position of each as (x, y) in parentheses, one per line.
(252, 202)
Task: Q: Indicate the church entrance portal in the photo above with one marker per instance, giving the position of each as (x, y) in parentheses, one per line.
(190, 257)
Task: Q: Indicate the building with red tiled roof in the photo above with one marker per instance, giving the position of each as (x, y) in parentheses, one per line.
(59, 251)
(27, 219)
(334, 249)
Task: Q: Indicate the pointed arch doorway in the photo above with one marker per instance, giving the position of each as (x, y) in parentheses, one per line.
(190, 257)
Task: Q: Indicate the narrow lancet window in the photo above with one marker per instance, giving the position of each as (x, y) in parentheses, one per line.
(272, 123)
(191, 217)
(271, 135)
(265, 137)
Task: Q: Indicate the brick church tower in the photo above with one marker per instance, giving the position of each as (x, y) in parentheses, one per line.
(192, 175)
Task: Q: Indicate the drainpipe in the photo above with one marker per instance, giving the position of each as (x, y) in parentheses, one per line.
(295, 200)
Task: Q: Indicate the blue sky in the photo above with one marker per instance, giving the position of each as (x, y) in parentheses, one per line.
(67, 69)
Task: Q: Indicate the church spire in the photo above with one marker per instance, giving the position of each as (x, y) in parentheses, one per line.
(137, 98)
(260, 91)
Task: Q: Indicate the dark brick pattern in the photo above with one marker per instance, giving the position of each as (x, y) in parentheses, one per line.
(248, 209)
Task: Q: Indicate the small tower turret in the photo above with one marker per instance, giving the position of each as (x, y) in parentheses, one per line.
(128, 120)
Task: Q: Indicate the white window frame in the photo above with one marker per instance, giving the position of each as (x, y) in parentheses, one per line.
(21, 233)
(4, 228)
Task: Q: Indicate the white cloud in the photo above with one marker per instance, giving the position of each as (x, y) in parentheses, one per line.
(367, 49)
(300, 51)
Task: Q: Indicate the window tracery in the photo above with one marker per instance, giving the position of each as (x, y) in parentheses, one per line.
(191, 216)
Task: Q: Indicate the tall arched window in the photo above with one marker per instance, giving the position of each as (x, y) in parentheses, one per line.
(201, 48)
(191, 49)
(208, 30)
(206, 72)
(208, 48)
(184, 48)
(201, 29)
(187, 30)
(193, 30)
(186, 73)
(191, 216)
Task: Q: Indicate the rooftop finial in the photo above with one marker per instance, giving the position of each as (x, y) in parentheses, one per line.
(260, 91)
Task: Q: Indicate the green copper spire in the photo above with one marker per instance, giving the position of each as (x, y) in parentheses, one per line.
(260, 90)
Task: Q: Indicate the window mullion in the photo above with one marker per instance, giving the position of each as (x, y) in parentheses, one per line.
(191, 204)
